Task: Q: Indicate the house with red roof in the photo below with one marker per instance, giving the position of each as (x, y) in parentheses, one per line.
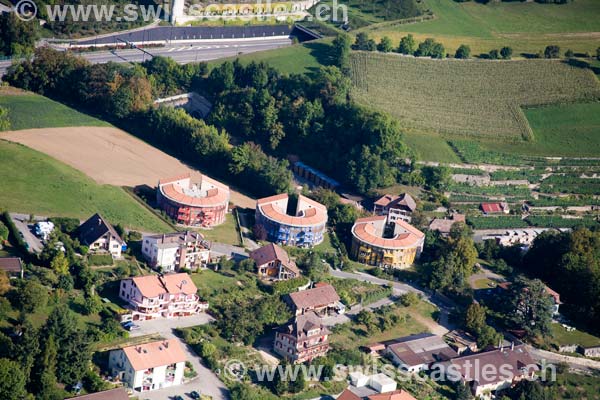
(302, 339)
(149, 366)
(161, 296)
(320, 299)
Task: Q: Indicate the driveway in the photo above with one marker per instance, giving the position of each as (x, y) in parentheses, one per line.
(20, 221)
(222, 249)
(207, 382)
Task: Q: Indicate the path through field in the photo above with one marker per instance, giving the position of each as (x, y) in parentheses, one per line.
(109, 156)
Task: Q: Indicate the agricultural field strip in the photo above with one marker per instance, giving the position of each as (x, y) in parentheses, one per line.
(477, 98)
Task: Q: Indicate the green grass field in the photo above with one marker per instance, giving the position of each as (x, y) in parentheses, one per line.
(474, 99)
(224, 233)
(27, 111)
(296, 59)
(581, 338)
(33, 182)
(527, 27)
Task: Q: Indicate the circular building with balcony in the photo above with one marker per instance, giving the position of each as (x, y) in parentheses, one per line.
(305, 228)
(203, 204)
(377, 242)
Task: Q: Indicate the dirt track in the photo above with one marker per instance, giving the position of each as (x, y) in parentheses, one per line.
(109, 156)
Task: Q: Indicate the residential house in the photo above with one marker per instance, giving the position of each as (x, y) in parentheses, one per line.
(175, 251)
(321, 299)
(495, 208)
(161, 296)
(445, 225)
(374, 387)
(100, 236)
(302, 339)
(490, 371)
(590, 351)
(419, 352)
(149, 366)
(112, 394)
(13, 266)
(272, 262)
(395, 207)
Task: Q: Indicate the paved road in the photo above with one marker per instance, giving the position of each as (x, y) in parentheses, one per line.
(206, 382)
(223, 249)
(183, 54)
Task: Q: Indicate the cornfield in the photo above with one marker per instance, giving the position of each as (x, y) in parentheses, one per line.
(481, 98)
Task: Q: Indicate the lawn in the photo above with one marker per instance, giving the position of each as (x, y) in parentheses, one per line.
(224, 233)
(296, 59)
(525, 26)
(28, 111)
(211, 282)
(431, 147)
(476, 99)
(34, 183)
(581, 338)
(353, 335)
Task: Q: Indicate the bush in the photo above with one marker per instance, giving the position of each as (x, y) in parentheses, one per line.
(552, 51)
(100, 259)
(463, 52)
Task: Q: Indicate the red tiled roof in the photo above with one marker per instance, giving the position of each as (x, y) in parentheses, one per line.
(348, 395)
(171, 189)
(364, 229)
(395, 395)
(155, 354)
(154, 285)
(490, 208)
(113, 394)
(316, 297)
(312, 213)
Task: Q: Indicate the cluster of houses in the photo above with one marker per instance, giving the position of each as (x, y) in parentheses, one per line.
(457, 359)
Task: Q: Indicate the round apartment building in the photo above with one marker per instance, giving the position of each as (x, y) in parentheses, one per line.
(377, 242)
(203, 204)
(305, 228)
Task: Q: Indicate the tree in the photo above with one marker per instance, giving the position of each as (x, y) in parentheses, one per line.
(488, 337)
(362, 42)
(463, 52)
(407, 45)
(552, 51)
(341, 51)
(4, 283)
(385, 45)
(506, 52)
(475, 318)
(598, 53)
(530, 306)
(367, 318)
(462, 392)
(569, 53)
(409, 299)
(494, 54)
(17, 38)
(12, 380)
(430, 48)
(31, 296)
(60, 264)
(436, 177)
(92, 304)
(4, 126)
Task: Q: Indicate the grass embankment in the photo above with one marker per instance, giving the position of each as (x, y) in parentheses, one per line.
(525, 26)
(296, 59)
(30, 111)
(34, 183)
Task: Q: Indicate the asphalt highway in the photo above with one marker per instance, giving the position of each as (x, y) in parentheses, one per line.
(182, 53)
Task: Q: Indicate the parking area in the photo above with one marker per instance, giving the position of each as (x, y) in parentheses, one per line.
(21, 222)
(206, 382)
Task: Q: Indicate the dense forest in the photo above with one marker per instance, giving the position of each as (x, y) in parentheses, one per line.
(270, 116)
